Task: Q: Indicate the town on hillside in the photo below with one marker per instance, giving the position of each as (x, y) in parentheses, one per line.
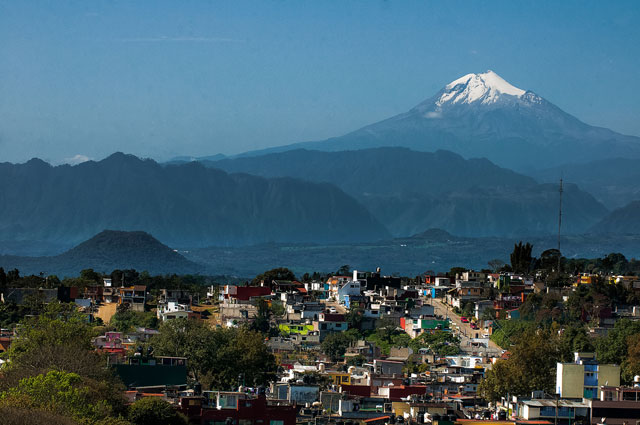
(518, 343)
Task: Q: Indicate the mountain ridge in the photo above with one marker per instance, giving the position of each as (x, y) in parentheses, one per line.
(409, 191)
(183, 205)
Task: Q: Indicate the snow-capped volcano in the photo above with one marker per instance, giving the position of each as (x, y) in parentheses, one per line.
(488, 90)
(483, 88)
(483, 115)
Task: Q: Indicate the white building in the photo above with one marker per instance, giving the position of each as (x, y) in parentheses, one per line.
(173, 310)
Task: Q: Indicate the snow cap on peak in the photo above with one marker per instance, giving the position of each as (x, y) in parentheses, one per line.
(486, 87)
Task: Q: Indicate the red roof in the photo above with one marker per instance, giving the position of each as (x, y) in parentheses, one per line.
(359, 390)
(245, 293)
(333, 317)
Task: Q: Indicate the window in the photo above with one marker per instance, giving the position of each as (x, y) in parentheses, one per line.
(274, 422)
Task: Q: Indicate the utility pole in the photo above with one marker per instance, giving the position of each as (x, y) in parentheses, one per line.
(557, 401)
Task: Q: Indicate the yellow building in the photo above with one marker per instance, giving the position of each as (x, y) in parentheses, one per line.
(339, 378)
(585, 279)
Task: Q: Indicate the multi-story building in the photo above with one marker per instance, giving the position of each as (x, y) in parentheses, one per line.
(174, 310)
(133, 296)
(584, 377)
(329, 323)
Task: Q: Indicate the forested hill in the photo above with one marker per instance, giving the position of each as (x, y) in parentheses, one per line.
(181, 205)
(107, 251)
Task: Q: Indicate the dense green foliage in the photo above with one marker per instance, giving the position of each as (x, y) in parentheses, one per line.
(153, 411)
(620, 346)
(335, 345)
(508, 330)
(217, 356)
(128, 320)
(531, 366)
(53, 368)
(62, 393)
(521, 258)
(441, 343)
(280, 273)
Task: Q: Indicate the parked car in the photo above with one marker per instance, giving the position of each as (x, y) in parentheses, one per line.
(464, 319)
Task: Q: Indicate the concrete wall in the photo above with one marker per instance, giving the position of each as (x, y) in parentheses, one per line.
(570, 380)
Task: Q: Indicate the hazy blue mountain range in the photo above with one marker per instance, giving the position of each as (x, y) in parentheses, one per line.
(181, 205)
(625, 220)
(482, 115)
(614, 182)
(409, 191)
(432, 250)
(105, 252)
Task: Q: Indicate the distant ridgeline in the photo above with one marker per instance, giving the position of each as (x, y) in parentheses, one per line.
(181, 205)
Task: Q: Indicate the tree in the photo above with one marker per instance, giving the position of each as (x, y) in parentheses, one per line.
(91, 276)
(574, 339)
(344, 270)
(13, 276)
(456, 270)
(496, 264)
(441, 343)
(488, 313)
(217, 355)
(521, 258)
(126, 319)
(152, 411)
(124, 277)
(614, 348)
(335, 345)
(61, 327)
(16, 415)
(281, 273)
(385, 330)
(354, 318)
(3, 278)
(60, 339)
(631, 364)
(530, 367)
(262, 322)
(467, 309)
(358, 360)
(497, 382)
(62, 393)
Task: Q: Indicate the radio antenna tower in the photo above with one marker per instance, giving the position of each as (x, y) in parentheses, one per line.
(559, 223)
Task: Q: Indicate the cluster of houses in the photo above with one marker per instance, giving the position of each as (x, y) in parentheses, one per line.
(368, 385)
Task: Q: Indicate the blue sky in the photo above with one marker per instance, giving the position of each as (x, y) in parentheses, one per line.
(160, 79)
